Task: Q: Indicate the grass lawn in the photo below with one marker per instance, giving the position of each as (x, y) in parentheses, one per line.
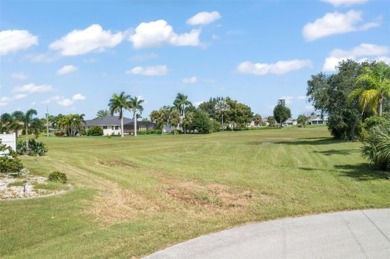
(134, 196)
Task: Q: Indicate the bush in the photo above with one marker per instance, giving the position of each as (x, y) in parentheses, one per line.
(149, 132)
(59, 133)
(376, 147)
(58, 177)
(34, 148)
(371, 122)
(9, 163)
(83, 132)
(95, 131)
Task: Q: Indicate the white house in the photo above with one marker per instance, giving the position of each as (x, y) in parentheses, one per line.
(317, 120)
(111, 125)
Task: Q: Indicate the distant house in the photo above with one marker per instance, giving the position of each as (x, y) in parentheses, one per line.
(290, 122)
(141, 126)
(111, 125)
(317, 120)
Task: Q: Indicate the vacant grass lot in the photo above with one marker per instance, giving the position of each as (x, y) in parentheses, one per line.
(134, 196)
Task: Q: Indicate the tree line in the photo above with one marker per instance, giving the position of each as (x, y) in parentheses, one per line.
(220, 113)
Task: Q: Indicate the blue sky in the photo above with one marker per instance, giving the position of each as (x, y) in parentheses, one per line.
(71, 56)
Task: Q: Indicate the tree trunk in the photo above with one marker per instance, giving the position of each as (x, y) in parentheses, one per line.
(223, 129)
(122, 129)
(380, 105)
(135, 123)
(27, 137)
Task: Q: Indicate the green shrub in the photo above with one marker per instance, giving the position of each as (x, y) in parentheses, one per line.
(149, 132)
(376, 147)
(83, 132)
(59, 133)
(34, 148)
(95, 131)
(9, 163)
(58, 177)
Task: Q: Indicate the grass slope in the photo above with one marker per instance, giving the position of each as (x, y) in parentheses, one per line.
(134, 196)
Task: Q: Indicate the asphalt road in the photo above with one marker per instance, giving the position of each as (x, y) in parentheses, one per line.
(351, 234)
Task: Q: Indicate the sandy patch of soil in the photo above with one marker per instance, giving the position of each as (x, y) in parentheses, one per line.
(25, 186)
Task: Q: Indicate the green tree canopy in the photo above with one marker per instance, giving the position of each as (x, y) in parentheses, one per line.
(329, 95)
(281, 113)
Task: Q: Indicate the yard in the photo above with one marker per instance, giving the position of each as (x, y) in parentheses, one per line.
(134, 196)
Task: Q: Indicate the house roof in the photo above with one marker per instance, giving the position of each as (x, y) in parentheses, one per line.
(141, 124)
(107, 121)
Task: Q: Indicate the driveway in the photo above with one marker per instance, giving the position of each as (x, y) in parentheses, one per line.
(351, 234)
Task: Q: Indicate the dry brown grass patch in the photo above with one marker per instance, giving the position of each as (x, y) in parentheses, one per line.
(215, 195)
(114, 163)
(117, 205)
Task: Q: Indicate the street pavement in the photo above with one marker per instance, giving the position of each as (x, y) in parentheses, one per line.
(351, 234)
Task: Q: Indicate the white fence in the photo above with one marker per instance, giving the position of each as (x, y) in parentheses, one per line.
(8, 140)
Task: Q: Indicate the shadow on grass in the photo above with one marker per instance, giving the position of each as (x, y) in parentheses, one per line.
(300, 141)
(362, 172)
(336, 152)
(310, 141)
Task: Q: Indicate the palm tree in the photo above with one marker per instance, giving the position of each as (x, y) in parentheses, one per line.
(377, 80)
(102, 113)
(221, 107)
(5, 120)
(135, 104)
(25, 118)
(181, 102)
(28, 118)
(117, 104)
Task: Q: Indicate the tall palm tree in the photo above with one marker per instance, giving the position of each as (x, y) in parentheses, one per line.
(28, 118)
(135, 104)
(376, 90)
(117, 104)
(221, 107)
(181, 101)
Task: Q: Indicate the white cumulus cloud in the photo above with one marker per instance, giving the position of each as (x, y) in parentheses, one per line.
(280, 67)
(93, 38)
(158, 33)
(359, 53)
(78, 97)
(204, 18)
(336, 23)
(66, 70)
(15, 40)
(33, 88)
(65, 101)
(190, 80)
(344, 2)
(159, 70)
